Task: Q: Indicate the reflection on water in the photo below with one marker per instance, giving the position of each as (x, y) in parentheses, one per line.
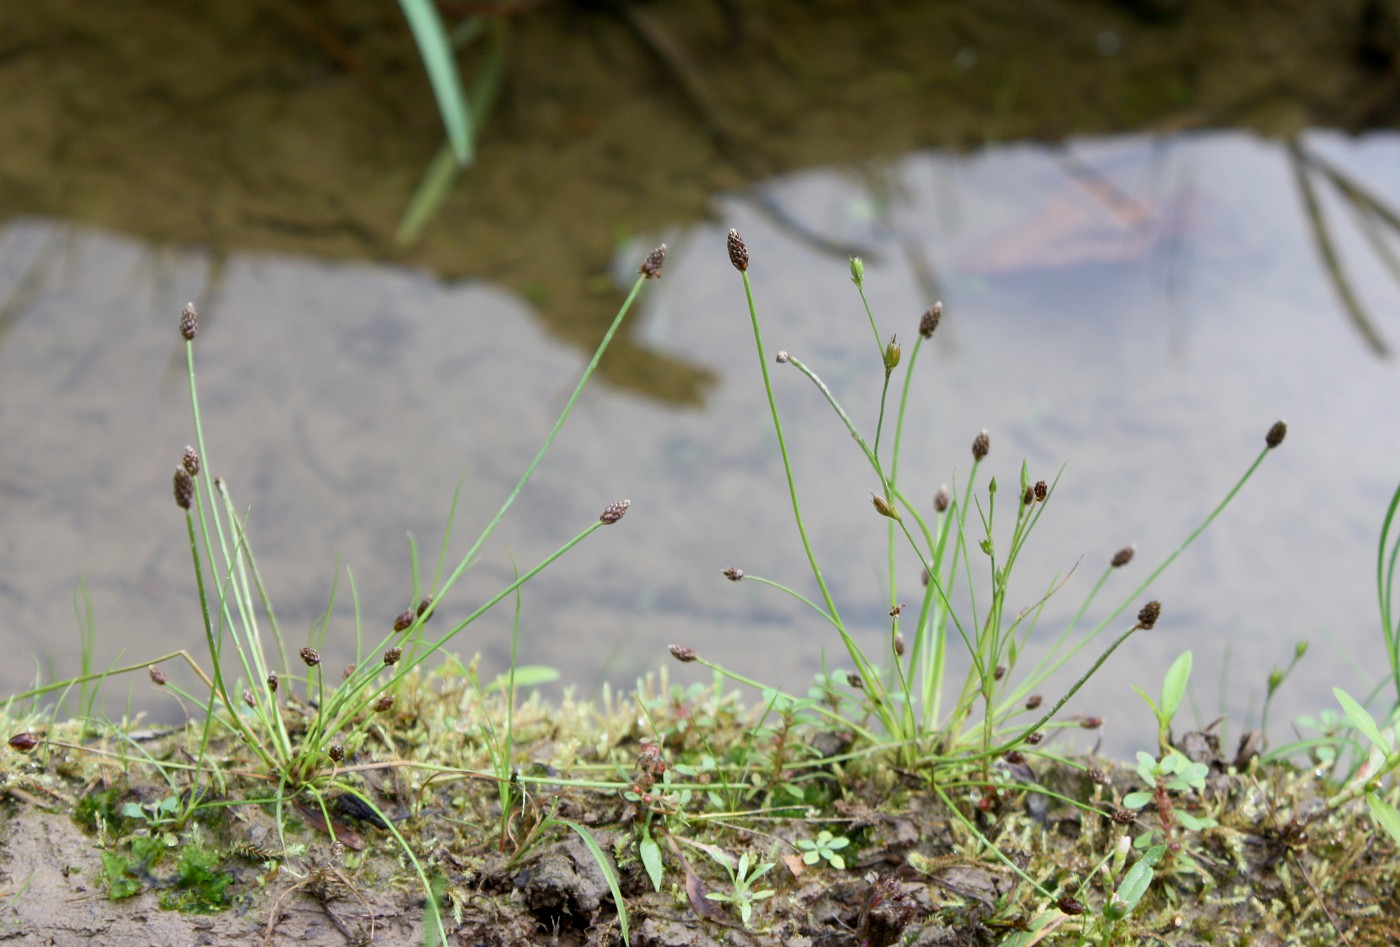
(1138, 310)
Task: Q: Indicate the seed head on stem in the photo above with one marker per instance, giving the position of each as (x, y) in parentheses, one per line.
(738, 253)
(930, 319)
(651, 266)
(189, 322)
(183, 485)
(1149, 615)
(981, 445)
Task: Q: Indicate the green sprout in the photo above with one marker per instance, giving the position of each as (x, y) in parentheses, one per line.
(824, 846)
(742, 895)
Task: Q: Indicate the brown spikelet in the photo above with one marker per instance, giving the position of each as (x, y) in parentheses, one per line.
(384, 704)
(24, 742)
(158, 677)
(1122, 557)
(733, 574)
(404, 619)
(391, 657)
(336, 752)
(1033, 701)
(423, 607)
(1091, 723)
(272, 681)
(183, 485)
(738, 253)
(682, 654)
(310, 656)
(190, 461)
(1042, 490)
(883, 507)
(981, 445)
(1276, 434)
(613, 512)
(651, 266)
(929, 322)
(1149, 615)
(189, 322)
(942, 499)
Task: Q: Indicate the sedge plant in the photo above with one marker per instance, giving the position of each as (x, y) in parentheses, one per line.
(300, 725)
(905, 698)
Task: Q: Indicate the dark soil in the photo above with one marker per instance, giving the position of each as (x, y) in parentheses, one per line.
(1281, 867)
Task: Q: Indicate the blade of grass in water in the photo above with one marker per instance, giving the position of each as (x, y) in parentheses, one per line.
(436, 50)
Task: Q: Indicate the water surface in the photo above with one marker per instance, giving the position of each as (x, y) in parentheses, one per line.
(1136, 309)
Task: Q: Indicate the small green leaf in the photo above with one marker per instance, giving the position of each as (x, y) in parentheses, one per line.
(1136, 800)
(651, 860)
(1361, 719)
(1174, 685)
(1193, 823)
(1386, 815)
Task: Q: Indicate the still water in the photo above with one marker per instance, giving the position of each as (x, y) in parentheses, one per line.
(1137, 310)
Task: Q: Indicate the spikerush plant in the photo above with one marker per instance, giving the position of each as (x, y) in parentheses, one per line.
(300, 724)
(903, 689)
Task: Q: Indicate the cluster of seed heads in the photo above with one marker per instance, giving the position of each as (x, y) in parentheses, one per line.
(310, 656)
(682, 654)
(613, 512)
(1037, 493)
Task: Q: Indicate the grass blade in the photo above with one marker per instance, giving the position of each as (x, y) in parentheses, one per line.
(436, 50)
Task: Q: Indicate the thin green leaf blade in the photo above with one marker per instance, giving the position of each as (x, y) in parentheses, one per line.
(608, 873)
(441, 66)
